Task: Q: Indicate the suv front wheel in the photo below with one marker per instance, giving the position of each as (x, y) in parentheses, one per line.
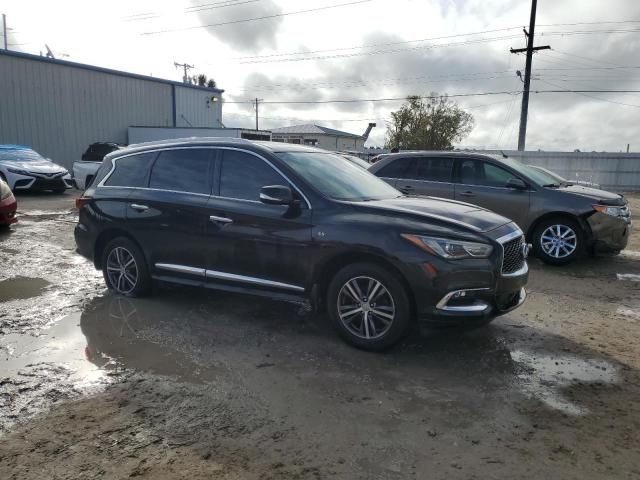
(558, 241)
(124, 268)
(369, 306)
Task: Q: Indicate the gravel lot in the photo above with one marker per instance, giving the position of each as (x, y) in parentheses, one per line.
(199, 384)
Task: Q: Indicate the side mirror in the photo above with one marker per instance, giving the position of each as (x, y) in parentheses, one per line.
(517, 184)
(276, 195)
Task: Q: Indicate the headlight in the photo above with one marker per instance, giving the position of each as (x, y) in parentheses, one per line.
(612, 211)
(450, 249)
(5, 191)
(18, 171)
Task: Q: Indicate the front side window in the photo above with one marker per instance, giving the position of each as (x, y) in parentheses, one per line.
(184, 170)
(336, 178)
(243, 175)
(131, 171)
(496, 176)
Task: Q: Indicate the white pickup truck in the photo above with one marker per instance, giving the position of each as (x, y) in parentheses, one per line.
(85, 169)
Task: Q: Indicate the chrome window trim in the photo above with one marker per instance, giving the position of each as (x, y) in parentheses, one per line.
(212, 147)
(252, 280)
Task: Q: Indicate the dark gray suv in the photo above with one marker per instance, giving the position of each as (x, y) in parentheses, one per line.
(562, 220)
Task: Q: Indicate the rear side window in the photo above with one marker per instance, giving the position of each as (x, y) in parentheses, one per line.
(185, 170)
(131, 171)
(243, 175)
(434, 169)
(396, 169)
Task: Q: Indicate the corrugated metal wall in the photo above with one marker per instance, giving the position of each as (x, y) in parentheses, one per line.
(194, 108)
(59, 108)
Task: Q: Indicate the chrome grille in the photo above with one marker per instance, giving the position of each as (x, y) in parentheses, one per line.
(513, 259)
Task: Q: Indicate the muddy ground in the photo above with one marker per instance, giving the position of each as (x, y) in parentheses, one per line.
(194, 384)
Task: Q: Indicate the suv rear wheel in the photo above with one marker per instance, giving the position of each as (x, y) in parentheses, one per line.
(369, 306)
(125, 269)
(558, 240)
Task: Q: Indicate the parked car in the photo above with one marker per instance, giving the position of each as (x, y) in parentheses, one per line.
(8, 205)
(85, 170)
(300, 224)
(24, 169)
(560, 219)
(561, 180)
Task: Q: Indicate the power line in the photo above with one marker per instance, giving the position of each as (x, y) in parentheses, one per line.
(585, 93)
(211, 6)
(264, 17)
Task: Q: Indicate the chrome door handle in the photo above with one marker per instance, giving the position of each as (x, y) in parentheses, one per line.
(140, 208)
(224, 220)
(467, 194)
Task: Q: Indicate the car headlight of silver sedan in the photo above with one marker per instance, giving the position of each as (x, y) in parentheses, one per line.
(18, 171)
(450, 249)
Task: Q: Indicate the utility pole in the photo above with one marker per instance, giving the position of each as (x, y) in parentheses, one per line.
(4, 31)
(256, 106)
(186, 67)
(527, 74)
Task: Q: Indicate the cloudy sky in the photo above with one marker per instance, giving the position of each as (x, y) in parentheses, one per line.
(322, 50)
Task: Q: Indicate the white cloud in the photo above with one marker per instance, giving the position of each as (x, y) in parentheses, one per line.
(105, 34)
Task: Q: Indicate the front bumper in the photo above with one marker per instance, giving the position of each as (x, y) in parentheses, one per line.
(609, 234)
(8, 209)
(42, 182)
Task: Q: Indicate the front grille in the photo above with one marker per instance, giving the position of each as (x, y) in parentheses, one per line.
(513, 256)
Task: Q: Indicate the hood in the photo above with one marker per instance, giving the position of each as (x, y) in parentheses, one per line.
(595, 194)
(34, 166)
(465, 215)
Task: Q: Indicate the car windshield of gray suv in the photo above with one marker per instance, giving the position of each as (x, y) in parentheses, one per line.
(338, 178)
(539, 177)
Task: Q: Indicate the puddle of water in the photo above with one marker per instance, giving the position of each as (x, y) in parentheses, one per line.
(631, 277)
(40, 370)
(20, 288)
(552, 373)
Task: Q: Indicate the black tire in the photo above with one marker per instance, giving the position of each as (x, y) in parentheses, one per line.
(380, 333)
(571, 234)
(115, 279)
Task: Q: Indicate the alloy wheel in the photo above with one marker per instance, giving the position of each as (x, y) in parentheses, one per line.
(559, 241)
(122, 270)
(366, 308)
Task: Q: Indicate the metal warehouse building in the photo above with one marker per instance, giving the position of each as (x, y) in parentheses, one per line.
(60, 107)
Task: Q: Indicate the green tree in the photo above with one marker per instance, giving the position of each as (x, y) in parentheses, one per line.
(428, 124)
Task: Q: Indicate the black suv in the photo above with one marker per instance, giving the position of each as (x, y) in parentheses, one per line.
(299, 224)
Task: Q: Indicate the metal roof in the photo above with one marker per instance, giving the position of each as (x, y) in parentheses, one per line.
(312, 129)
(84, 66)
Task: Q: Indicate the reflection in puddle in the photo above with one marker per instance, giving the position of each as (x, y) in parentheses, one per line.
(44, 369)
(20, 288)
(632, 277)
(547, 375)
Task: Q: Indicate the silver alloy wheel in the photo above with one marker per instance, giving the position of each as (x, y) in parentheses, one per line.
(366, 308)
(122, 270)
(559, 241)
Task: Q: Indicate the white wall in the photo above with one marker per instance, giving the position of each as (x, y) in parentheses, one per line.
(192, 109)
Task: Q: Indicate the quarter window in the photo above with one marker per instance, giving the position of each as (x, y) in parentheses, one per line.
(131, 171)
(243, 175)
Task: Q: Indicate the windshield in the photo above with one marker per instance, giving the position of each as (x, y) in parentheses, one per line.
(539, 176)
(338, 178)
(19, 155)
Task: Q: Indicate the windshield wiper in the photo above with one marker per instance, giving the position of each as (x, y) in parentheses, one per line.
(551, 185)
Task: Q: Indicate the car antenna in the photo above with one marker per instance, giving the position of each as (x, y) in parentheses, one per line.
(504, 155)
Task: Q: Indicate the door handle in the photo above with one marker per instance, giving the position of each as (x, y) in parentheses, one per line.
(467, 194)
(139, 208)
(223, 220)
